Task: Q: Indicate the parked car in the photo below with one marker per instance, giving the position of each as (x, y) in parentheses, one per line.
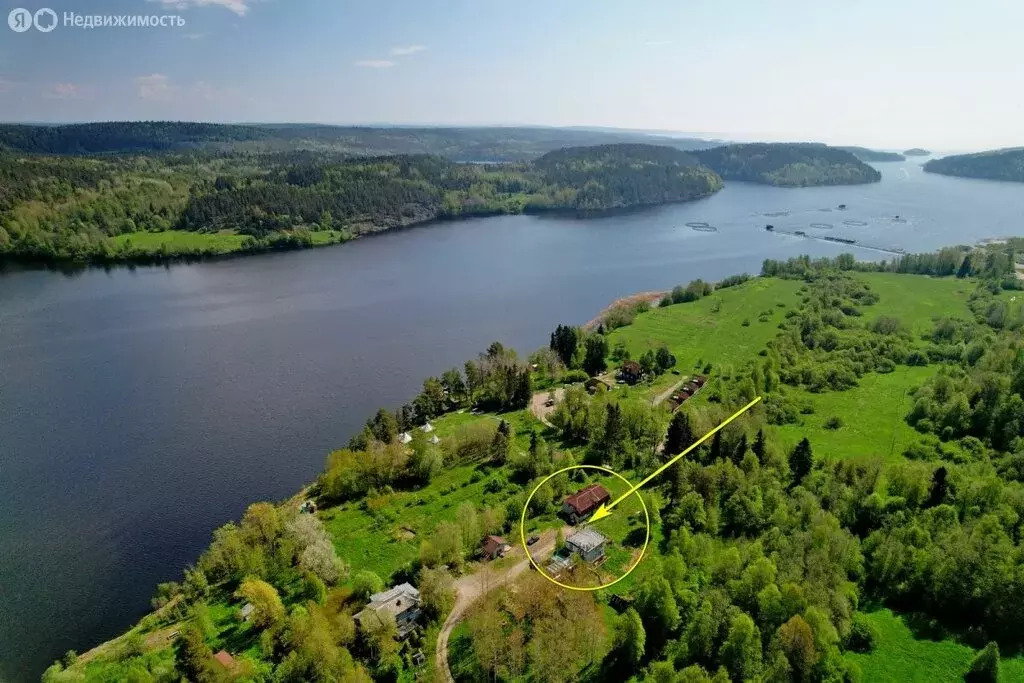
(532, 539)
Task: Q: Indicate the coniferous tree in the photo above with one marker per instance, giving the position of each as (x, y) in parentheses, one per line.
(680, 433)
(985, 666)
(596, 349)
(801, 460)
(759, 446)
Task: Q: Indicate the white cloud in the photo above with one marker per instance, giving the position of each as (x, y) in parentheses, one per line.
(402, 51)
(66, 91)
(154, 87)
(239, 7)
(658, 42)
(376, 63)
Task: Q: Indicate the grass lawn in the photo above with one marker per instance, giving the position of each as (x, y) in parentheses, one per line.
(695, 331)
(388, 538)
(180, 240)
(223, 242)
(917, 299)
(872, 416)
(900, 657)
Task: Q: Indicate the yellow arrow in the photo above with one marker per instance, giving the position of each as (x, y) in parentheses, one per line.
(606, 509)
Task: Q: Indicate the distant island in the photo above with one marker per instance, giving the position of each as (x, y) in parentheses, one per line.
(788, 164)
(917, 152)
(1000, 164)
(865, 154)
(152, 192)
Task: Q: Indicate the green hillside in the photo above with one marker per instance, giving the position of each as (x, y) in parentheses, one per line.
(880, 468)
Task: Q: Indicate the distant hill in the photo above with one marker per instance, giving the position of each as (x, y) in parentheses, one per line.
(917, 152)
(614, 176)
(787, 164)
(121, 207)
(1000, 164)
(865, 154)
(457, 144)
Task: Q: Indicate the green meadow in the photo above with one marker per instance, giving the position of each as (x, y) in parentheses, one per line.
(902, 657)
(871, 416)
(722, 329)
(179, 240)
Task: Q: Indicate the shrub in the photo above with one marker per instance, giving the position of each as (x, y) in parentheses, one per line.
(574, 376)
(834, 422)
(746, 322)
(863, 634)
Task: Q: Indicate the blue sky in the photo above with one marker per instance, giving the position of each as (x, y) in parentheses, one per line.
(889, 73)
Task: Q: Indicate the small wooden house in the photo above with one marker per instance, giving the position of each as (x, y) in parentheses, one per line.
(494, 547)
(402, 602)
(588, 544)
(631, 372)
(584, 503)
(225, 659)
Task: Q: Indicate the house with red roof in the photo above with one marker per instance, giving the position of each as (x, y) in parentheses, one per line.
(584, 503)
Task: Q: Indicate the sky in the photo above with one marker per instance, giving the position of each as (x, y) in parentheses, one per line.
(944, 74)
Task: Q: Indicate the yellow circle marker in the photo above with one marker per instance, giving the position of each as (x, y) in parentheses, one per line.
(522, 528)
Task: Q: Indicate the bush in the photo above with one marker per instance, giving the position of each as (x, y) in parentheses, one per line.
(574, 376)
(834, 422)
(863, 634)
(746, 322)
(917, 358)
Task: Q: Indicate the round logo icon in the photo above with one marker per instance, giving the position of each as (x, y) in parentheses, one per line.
(45, 20)
(20, 19)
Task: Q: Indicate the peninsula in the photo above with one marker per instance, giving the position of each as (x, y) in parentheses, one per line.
(865, 154)
(405, 560)
(1000, 164)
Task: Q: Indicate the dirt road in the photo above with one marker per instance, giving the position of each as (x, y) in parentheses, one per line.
(542, 411)
(663, 396)
(473, 586)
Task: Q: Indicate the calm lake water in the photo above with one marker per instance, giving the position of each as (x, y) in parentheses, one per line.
(140, 409)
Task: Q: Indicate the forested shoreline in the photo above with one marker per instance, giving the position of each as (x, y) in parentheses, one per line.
(1000, 164)
(153, 191)
(107, 209)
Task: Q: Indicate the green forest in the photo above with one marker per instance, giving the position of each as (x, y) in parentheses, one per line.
(1000, 164)
(89, 208)
(458, 144)
(788, 164)
(183, 197)
(796, 545)
(865, 154)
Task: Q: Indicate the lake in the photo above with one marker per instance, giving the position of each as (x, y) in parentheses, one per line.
(140, 409)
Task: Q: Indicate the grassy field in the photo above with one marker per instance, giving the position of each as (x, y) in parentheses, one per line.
(872, 416)
(900, 657)
(179, 240)
(223, 242)
(917, 299)
(712, 330)
(385, 536)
